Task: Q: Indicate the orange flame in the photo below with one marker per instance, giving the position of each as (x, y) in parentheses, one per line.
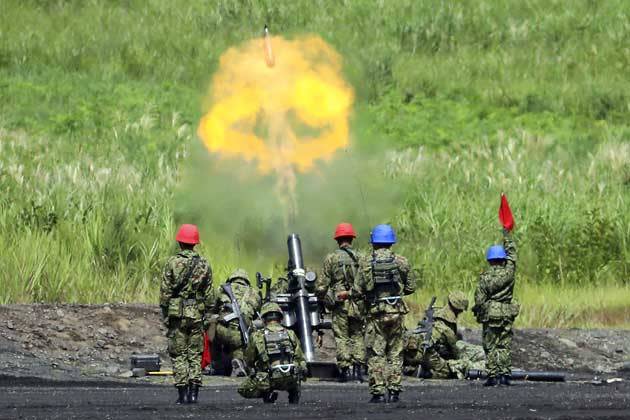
(285, 116)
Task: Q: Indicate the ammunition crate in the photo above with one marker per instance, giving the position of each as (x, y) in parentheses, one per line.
(148, 362)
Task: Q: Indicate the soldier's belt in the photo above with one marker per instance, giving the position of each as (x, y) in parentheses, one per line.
(286, 368)
(229, 317)
(390, 300)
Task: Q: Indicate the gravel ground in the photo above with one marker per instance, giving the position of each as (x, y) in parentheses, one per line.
(36, 399)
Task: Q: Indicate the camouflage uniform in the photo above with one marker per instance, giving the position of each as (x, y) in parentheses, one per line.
(269, 351)
(184, 309)
(382, 280)
(347, 316)
(446, 356)
(228, 333)
(496, 312)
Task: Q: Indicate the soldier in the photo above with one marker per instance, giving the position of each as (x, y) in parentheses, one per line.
(339, 270)
(382, 280)
(229, 338)
(495, 310)
(447, 356)
(275, 358)
(185, 293)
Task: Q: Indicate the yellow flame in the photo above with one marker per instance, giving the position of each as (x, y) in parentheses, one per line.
(284, 117)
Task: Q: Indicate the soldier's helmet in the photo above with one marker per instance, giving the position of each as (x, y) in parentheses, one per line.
(239, 273)
(458, 300)
(496, 253)
(270, 309)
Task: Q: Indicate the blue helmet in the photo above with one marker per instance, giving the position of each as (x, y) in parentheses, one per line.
(383, 234)
(496, 252)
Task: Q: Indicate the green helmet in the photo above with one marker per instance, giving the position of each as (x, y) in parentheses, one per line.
(239, 273)
(458, 300)
(269, 308)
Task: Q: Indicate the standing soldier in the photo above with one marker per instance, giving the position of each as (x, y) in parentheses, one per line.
(495, 310)
(184, 294)
(275, 358)
(236, 304)
(339, 271)
(383, 279)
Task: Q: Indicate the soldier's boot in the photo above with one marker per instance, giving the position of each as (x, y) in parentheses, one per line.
(491, 381)
(270, 397)
(505, 380)
(394, 396)
(378, 398)
(358, 372)
(181, 391)
(193, 393)
(344, 374)
(238, 368)
(294, 396)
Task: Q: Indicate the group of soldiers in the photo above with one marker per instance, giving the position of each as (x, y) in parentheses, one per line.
(364, 295)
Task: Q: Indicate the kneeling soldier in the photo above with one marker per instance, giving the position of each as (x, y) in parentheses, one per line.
(277, 360)
(236, 304)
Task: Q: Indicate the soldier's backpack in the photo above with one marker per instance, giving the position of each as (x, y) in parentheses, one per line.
(280, 352)
(385, 281)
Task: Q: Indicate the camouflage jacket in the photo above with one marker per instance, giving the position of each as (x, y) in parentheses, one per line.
(496, 283)
(248, 299)
(256, 354)
(388, 300)
(192, 298)
(444, 334)
(338, 274)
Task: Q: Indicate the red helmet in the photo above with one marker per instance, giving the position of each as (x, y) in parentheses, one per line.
(344, 229)
(188, 234)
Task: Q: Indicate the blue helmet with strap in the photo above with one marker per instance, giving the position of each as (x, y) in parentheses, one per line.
(383, 235)
(496, 252)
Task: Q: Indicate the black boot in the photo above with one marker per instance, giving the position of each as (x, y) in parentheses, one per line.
(294, 396)
(344, 373)
(358, 372)
(182, 391)
(394, 396)
(270, 397)
(378, 398)
(491, 381)
(505, 380)
(193, 393)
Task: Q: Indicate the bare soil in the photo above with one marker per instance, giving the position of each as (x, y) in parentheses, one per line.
(72, 342)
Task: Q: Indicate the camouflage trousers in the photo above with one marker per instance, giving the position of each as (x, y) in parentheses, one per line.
(470, 356)
(260, 384)
(497, 344)
(384, 338)
(185, 346)
(229, 340)
(349, 339)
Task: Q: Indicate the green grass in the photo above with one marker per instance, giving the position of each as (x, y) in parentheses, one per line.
(99, 103)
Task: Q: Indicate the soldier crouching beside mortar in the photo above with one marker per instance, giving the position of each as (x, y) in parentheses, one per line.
(348, 324)
(185, 293)
(382, 280)
(275, 360)
(495, 310)
(236, 305)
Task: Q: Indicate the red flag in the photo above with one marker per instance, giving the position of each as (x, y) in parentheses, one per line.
(206, 358)
(505, 214)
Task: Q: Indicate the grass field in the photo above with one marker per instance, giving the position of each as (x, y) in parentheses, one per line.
(99, 103)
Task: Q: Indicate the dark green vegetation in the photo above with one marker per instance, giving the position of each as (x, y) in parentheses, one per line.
(99, 103)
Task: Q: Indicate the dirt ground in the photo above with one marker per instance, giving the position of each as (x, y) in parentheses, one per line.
(96, 341)
(24, 399)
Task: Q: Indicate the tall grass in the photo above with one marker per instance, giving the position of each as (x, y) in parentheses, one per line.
(99, 102)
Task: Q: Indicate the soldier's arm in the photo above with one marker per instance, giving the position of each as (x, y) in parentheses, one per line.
(408, 277)
(510, 246)
(209, 292)
(166, 288)
(251, 352)
(481, 294)
(323, 282)
(357, 292)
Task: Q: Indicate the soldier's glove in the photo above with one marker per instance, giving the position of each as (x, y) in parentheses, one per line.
(319, 340)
